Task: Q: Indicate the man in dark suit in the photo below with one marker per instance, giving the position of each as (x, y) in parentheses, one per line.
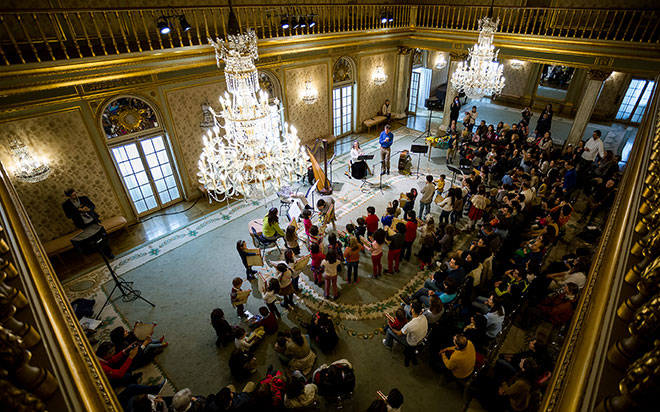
(81, 211)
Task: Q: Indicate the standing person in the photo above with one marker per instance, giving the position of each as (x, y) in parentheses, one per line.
(317, 258)
(269, 295)
(371, 220)
(376, 249)
(427, 197)
(386, 110)
(447, 206)
(386, 139)
(326, 208)
(454, 110)
(352, 255)
(291, 239)
(285, 277)
(241, 247)
(410, 236)
(396, 244)
(593, 147)
(479, 204)
(526, 115)
(82, 211)
(473, 117)
(330, 265)
(307, 223)
(290, 260)
(236, 299)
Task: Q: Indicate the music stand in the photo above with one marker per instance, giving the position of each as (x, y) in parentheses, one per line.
(364, 158)
(419, 149)
(93, 239)
(454, 172)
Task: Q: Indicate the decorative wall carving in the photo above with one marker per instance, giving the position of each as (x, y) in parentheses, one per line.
(116, 83)
(371, 98)
(342, 71)
(311, 120)
(66, 143)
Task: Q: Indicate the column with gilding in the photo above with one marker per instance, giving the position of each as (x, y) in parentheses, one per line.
(595, 81)
(403, 71)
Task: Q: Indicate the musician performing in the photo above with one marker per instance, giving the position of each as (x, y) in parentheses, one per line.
(357, 167)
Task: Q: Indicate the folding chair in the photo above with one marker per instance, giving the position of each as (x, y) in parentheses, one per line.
(263, 242)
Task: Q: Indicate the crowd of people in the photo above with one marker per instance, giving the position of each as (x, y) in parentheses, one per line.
(483, 242)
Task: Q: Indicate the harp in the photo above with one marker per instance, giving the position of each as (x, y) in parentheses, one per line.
(318, 155)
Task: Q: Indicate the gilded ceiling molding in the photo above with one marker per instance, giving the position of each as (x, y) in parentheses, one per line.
(600, 75)
(403, 50)
(455, 55)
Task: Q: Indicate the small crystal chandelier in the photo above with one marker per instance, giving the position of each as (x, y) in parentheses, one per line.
(481, 75)
(252, 158)
(380, 77)
(440, 61)
(27, 168)
(311, 95)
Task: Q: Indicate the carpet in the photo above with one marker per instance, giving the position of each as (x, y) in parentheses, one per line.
(188, 273)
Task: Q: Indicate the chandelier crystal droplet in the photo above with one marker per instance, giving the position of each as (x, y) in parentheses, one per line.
(481, 75)
(253, 157)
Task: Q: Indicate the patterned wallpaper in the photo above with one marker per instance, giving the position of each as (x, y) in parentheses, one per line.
(185, 106)
(65, 142)
(515, 79)
(372, 97)
(438, 77)
(311, 120)
(606, 106)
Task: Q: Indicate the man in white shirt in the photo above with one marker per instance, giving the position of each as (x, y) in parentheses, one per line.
(593, 148)
(414, 331)
(387, 110)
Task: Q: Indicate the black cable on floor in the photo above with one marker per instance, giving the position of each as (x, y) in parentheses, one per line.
(173, 213)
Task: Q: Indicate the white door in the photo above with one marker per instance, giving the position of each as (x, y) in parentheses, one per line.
(342, 110)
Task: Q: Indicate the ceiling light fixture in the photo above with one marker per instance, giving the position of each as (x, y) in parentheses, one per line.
(284, 22)
(163, 25)
(185, 26)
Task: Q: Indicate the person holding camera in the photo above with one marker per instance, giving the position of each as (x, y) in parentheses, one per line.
(81, 210)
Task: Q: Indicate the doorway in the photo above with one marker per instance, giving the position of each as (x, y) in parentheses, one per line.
(342, 109)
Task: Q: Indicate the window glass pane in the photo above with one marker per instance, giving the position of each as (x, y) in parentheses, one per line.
(169, 180)
(151, 202)
(164, 197)
(167, 170)
(156, 173)
(135, 194)
(162, 157)
(136, 164)
(131, 182)
(131, 151)
(152, 161)
(118, 153)
(147, 146)
(146, 190)
(142, 178)
(140, 206)
(158, 143)
(160, 185)
(174, 193)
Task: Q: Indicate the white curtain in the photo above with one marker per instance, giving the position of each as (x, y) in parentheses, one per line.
(424, 85)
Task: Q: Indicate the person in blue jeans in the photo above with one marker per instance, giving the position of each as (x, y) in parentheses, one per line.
(386, 139)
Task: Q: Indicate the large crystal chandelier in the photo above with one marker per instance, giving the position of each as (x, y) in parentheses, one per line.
(481, 75)
(252, 157)
(26, 167)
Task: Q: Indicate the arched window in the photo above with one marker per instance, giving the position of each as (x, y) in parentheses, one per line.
(140, 150)
(270, 84)
(343, 85)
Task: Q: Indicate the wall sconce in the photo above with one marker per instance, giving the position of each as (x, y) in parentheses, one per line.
(380, 77)
(311, 95)
(26, 167)
(516, 64)
(440, 61)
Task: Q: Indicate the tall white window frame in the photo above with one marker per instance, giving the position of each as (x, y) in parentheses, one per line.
(635, 100)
